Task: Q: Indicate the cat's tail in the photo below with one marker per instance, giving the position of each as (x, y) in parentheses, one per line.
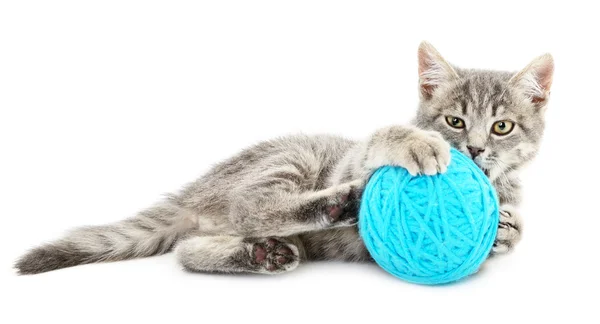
(151, 232)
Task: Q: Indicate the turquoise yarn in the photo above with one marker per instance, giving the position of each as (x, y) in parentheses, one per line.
(430, 229)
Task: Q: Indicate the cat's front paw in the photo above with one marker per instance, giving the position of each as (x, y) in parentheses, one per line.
(418, 151)
(509, 230)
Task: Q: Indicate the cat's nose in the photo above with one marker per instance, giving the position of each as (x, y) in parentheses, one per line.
(475, 151)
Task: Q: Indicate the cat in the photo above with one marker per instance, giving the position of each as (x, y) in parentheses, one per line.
(296, 198)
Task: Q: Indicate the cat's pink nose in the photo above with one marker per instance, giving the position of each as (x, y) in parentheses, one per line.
(475, 151)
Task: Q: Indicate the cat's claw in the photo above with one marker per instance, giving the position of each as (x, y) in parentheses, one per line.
(509, 230)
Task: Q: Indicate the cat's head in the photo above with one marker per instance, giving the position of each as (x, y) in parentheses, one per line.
(496, 118)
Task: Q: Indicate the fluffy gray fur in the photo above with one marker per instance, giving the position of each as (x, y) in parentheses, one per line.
(295, 198)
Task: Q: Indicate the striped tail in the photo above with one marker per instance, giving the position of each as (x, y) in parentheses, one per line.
(153, 231)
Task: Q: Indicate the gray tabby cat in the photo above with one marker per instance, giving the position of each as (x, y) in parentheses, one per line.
(295, 198)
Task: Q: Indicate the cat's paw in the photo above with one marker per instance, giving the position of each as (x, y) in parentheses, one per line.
(272, 255)
(342, 208)
(418, 151)
(509, 230)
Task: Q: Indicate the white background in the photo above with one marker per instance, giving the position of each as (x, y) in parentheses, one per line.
(106, 105)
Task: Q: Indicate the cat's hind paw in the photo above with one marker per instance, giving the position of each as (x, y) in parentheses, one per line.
(271, 255)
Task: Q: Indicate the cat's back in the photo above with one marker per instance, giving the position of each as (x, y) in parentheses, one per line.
(314, 156)
(291, 149)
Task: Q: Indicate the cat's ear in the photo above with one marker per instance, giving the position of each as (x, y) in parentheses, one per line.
(535, 79)
(434, 71)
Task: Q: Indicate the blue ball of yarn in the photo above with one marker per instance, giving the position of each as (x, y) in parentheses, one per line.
(430, 229)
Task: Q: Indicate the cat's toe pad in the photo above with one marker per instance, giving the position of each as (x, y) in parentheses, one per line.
(274, 256)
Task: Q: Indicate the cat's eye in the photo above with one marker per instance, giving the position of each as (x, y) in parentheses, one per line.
(503, 127)
(455, 122)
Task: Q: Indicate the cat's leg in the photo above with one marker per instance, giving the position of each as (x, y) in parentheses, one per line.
(509, 230)
(233, 254)
(419, 151)
(263, 211)
(278, 201)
